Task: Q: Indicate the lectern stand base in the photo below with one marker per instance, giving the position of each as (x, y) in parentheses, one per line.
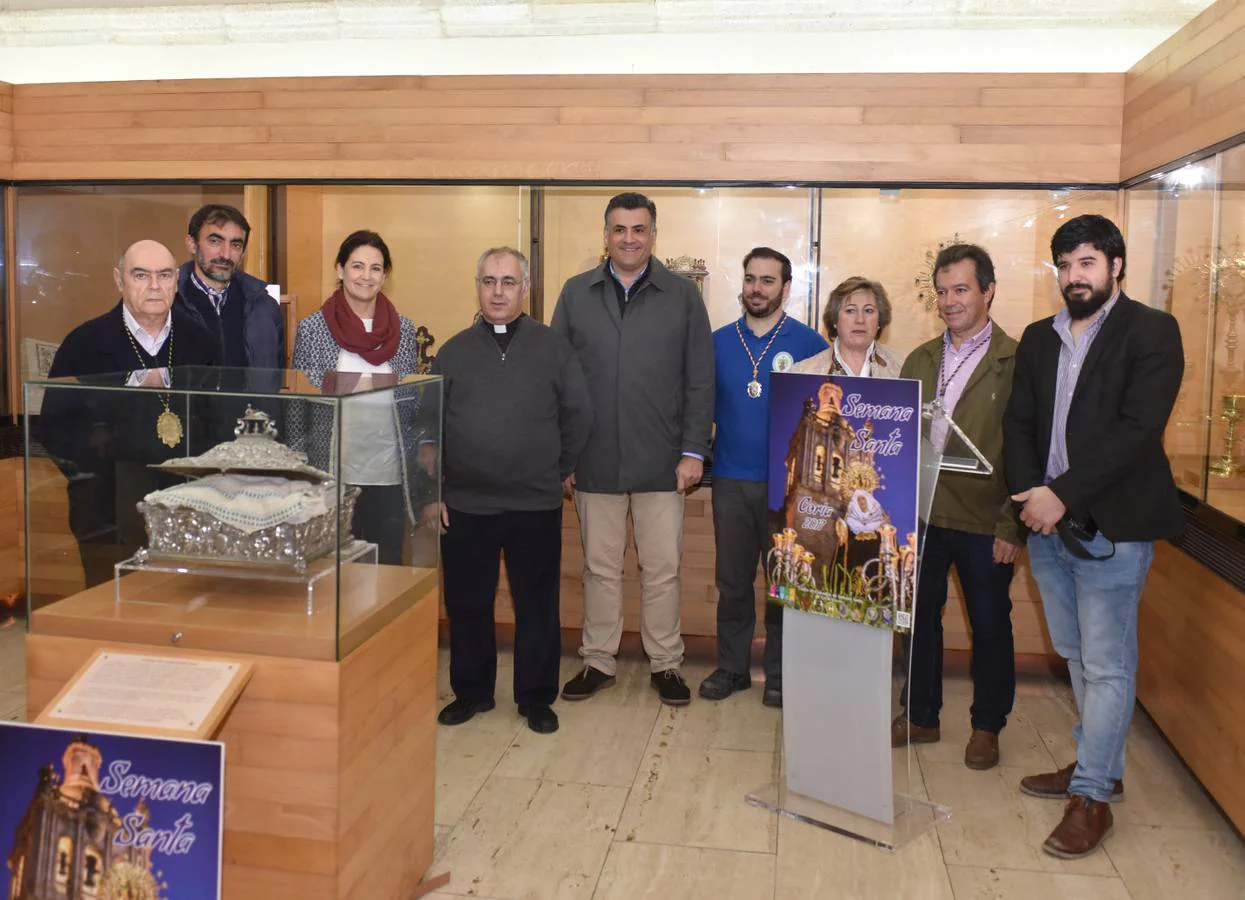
(913, 816)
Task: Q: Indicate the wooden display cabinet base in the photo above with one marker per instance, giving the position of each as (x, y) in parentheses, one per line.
(329, 766)
(1191, 636)
(202, 612)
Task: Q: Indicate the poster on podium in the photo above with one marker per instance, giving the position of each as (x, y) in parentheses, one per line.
(844, 459)
(109, 816)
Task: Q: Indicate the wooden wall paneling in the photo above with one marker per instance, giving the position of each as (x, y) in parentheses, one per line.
(6, 130)
(1197, 35)
(303, 256)
(1188, 93)
(255, 208)
(820, 127)
(1191, 631)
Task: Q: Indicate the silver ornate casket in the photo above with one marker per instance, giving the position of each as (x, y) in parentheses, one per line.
(183, 533)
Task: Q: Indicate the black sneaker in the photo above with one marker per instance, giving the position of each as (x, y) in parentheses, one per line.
(721, 684)
(462, 710)
(586, 683)
(772, 695)
(540, 718)
(671, 687)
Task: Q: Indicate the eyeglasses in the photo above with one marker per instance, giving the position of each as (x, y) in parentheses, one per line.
(489, 282)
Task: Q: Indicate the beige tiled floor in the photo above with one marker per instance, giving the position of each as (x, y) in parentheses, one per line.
(634, 800)
(631, 799)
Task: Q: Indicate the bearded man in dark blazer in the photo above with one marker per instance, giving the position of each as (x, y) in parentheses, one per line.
(1083, 449)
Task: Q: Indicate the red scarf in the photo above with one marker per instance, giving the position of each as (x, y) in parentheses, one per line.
(377, 346)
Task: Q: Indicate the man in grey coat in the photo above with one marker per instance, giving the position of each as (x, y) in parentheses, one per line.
(643, 338)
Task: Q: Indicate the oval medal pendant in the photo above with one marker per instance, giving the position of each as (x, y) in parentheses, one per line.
(169, 428)
(754, 389)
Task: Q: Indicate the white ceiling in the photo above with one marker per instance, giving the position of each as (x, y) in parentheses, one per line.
(509, 18)
(575, 36)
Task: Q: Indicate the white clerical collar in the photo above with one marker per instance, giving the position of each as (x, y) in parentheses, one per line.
(150, 343)
(865, 370)
(503, 328)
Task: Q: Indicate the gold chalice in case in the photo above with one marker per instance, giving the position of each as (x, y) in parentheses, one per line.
(1226, 465)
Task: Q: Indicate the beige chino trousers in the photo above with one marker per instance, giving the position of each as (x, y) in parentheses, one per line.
(657, 521)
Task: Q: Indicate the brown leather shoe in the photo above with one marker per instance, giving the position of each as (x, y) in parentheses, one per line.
(1086, 824)
(1054, 785)
(904, 732)
(982, 751)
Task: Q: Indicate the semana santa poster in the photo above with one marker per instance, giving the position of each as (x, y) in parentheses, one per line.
(109, 816)
(844, 459)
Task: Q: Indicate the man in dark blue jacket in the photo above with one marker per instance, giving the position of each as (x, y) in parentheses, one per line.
(232, 305)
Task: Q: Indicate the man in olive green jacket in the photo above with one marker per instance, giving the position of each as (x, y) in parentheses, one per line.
(972, 525)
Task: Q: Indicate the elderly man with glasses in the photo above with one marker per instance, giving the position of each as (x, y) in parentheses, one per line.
(517, 416)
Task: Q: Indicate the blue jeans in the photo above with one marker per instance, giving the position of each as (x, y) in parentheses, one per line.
(1091, 611)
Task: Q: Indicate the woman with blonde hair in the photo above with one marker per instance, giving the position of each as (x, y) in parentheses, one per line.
(857, 312)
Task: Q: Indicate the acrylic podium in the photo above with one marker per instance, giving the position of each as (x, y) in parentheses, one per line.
(840, 695)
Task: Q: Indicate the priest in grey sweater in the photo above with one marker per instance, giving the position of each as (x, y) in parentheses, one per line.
(517, 417)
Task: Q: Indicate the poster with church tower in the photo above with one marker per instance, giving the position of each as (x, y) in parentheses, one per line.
(109, 816)
(844, 457)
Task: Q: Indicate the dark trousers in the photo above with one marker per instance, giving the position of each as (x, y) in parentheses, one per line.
(471, 551)
(740, 535)
(380, 518)
(986, 585)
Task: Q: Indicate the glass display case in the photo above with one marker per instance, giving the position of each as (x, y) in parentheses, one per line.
(1186, 254)
(275, 512)
(889, 235)
(893, 235)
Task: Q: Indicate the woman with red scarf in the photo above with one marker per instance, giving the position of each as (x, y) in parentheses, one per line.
(357, 342)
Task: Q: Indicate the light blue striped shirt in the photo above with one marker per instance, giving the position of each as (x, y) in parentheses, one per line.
(1072, 356)
(218, 298)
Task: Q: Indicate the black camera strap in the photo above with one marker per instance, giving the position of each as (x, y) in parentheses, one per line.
(1067, 531)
